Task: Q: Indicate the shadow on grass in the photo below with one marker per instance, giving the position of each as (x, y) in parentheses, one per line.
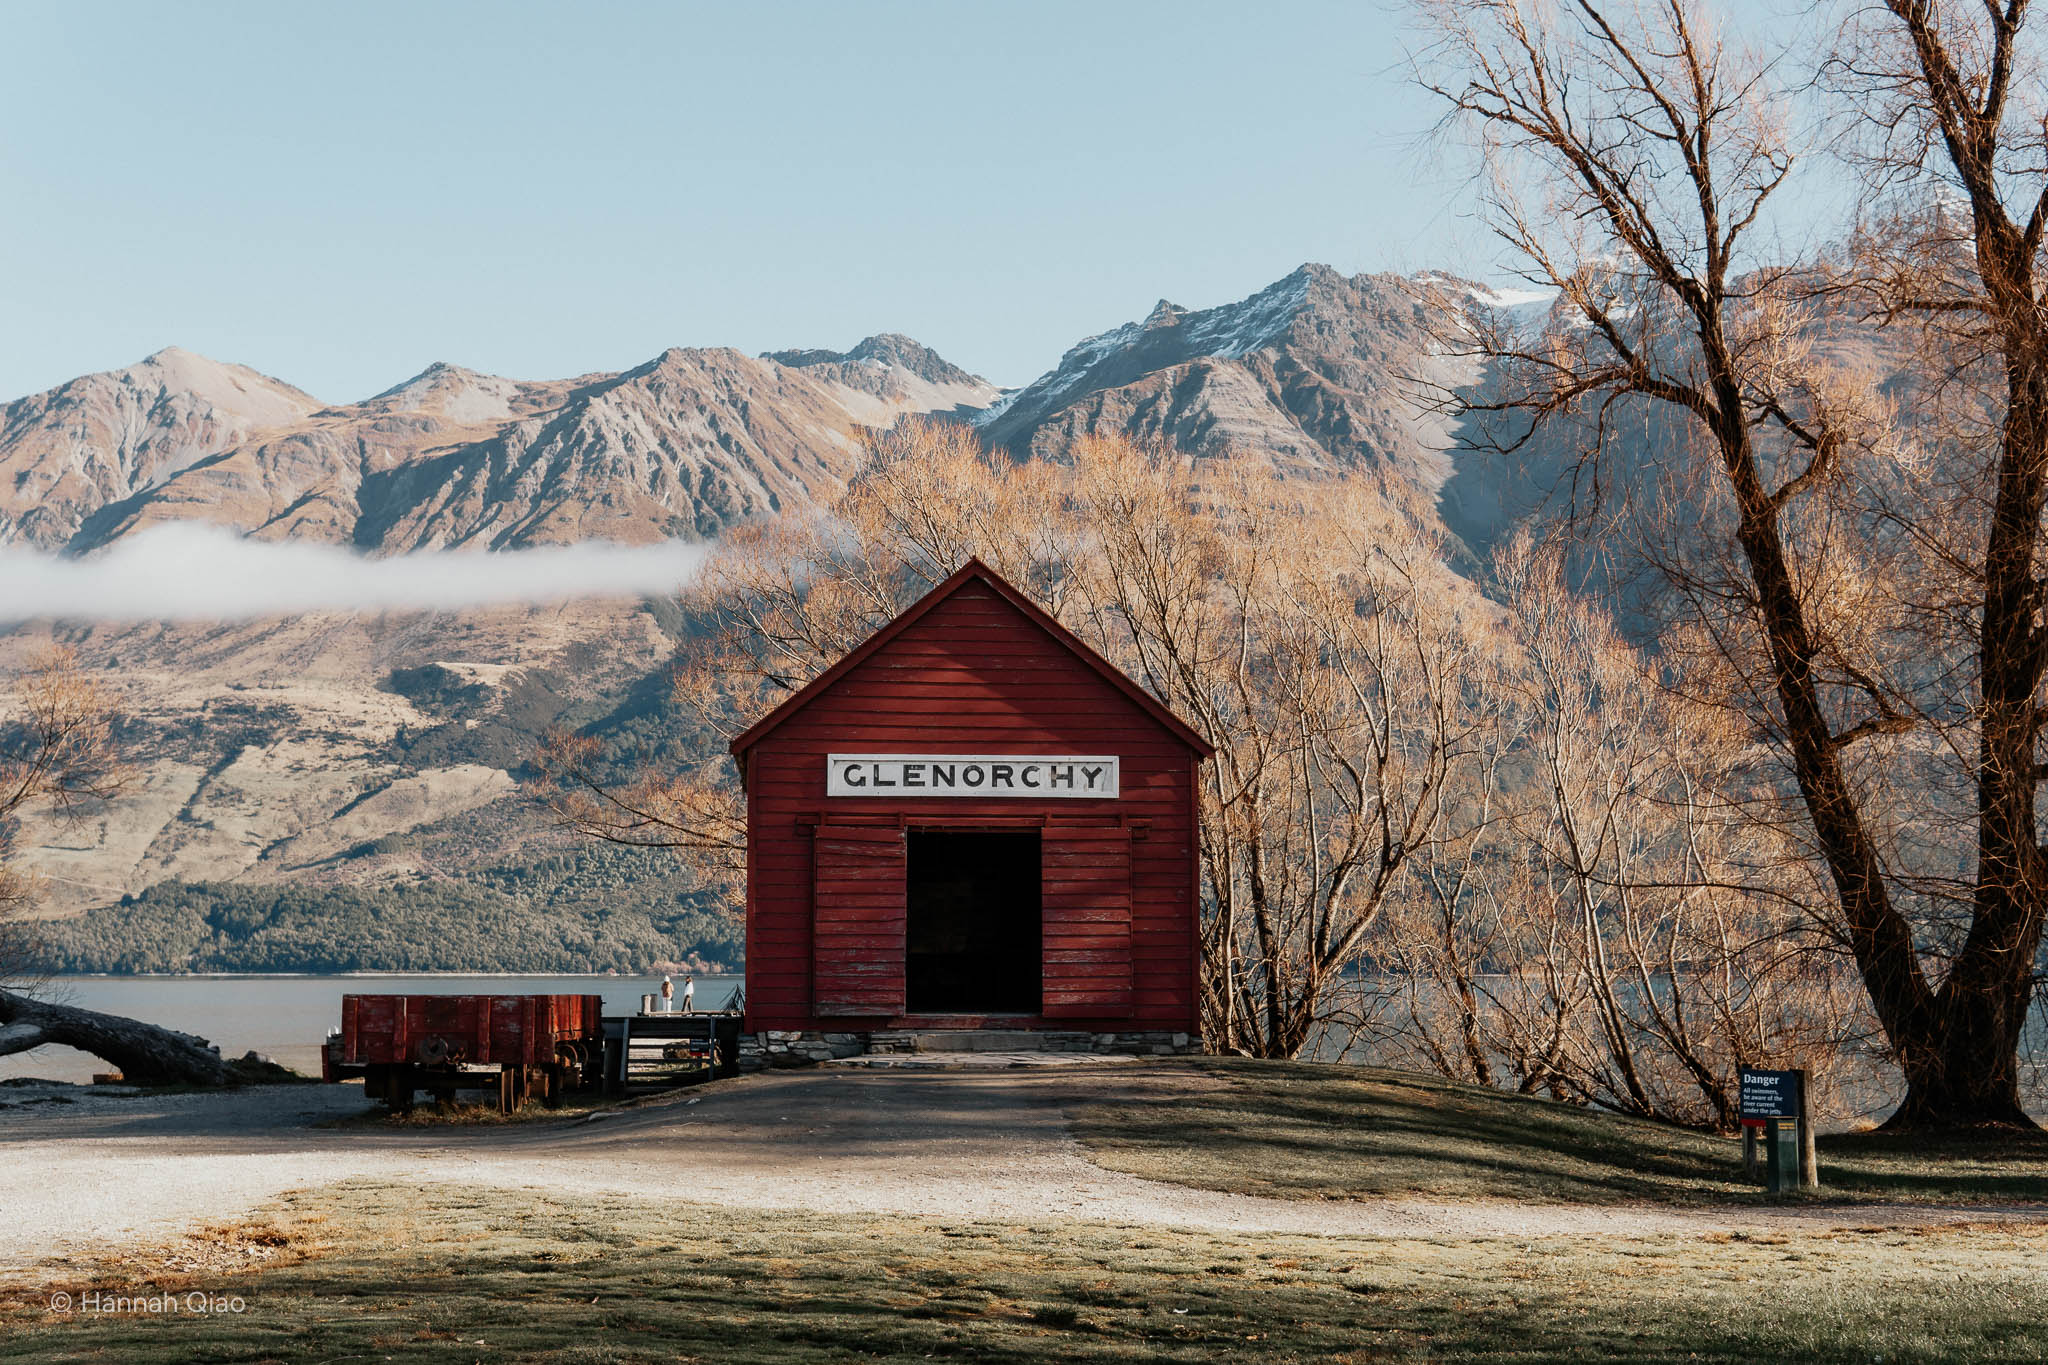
(1345, 1132)
(453, 1274)
(2009, 1168)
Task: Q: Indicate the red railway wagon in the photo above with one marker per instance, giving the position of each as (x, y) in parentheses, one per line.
(514, 1044)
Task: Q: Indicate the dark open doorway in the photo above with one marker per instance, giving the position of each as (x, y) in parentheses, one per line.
(973, 930)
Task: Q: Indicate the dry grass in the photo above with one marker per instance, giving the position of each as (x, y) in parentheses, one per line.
(455, 1274)
(1309, 1131)
(469, 1114)
(575, 1107)
(278, 1237)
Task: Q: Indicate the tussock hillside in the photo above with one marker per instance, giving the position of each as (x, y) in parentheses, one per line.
(276, 750)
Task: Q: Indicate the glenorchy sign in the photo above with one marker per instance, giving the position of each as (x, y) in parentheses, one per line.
(1028, 776)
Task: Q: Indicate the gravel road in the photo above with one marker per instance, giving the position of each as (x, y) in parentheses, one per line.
(952, 1144)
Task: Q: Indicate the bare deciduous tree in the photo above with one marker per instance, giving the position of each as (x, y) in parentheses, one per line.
(1310, 633)
(1600, 938)
(57, 754)
(694, 809)
(1314, 635)
(1633, 155)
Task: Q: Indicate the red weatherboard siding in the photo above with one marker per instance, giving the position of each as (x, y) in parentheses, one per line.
(1088, 959)
(973, 674)
(857, 928)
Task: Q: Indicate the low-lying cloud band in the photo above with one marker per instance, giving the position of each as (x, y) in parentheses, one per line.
(186, 572)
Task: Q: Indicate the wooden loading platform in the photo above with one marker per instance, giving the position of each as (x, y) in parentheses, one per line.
(645, 1052)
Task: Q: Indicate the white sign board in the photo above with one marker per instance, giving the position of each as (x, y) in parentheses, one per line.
(1030, 776)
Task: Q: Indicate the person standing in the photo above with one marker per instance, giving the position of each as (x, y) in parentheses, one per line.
(668, 994)
(689, 994)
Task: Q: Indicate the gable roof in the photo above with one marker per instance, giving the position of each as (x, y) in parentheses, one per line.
(974, 571)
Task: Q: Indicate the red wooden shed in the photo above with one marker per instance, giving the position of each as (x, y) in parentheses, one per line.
(972, 821)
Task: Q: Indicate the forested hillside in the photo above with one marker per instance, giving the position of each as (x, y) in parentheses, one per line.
(598, 909)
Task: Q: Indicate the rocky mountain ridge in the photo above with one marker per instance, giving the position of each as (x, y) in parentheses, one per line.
(1318, 371)
(686, 444)
(101, 439)
(1323, 373)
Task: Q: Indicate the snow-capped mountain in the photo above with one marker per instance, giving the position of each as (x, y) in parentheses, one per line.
(895, 370)
(1320, 372)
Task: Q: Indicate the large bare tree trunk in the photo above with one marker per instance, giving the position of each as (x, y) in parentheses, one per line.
(1655, 146)
(146, 1054)
(1960, 78)
(1964, 1066)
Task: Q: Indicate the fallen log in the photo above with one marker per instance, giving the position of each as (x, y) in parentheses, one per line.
(145, 1053)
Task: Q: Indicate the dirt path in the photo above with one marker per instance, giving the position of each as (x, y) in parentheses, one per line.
(957, 1145)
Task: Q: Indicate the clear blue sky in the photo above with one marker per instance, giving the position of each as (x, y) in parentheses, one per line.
(341, 194)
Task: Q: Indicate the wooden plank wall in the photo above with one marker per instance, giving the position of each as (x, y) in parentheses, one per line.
(974, 675)
(1086, 890)
(858, 929)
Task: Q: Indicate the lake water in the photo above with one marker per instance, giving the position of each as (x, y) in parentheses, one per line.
(287, 1017)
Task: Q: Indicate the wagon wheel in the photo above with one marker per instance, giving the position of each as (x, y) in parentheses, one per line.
(575, 1060)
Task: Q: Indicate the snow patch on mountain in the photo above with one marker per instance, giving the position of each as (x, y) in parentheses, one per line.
(887, 375)
(1240, 328)
(452, 392)
(1170, 334)
(1525, 311)
(253, 396)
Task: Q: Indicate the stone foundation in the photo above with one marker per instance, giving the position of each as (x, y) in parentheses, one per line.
(785, 1048)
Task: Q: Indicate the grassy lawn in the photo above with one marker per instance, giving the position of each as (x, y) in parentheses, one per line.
(1310, 1131)
(445, 1273)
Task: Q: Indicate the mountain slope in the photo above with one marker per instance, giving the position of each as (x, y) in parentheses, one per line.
(266, 751)
(1318, 372)
(101, 438)
(684, 445)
